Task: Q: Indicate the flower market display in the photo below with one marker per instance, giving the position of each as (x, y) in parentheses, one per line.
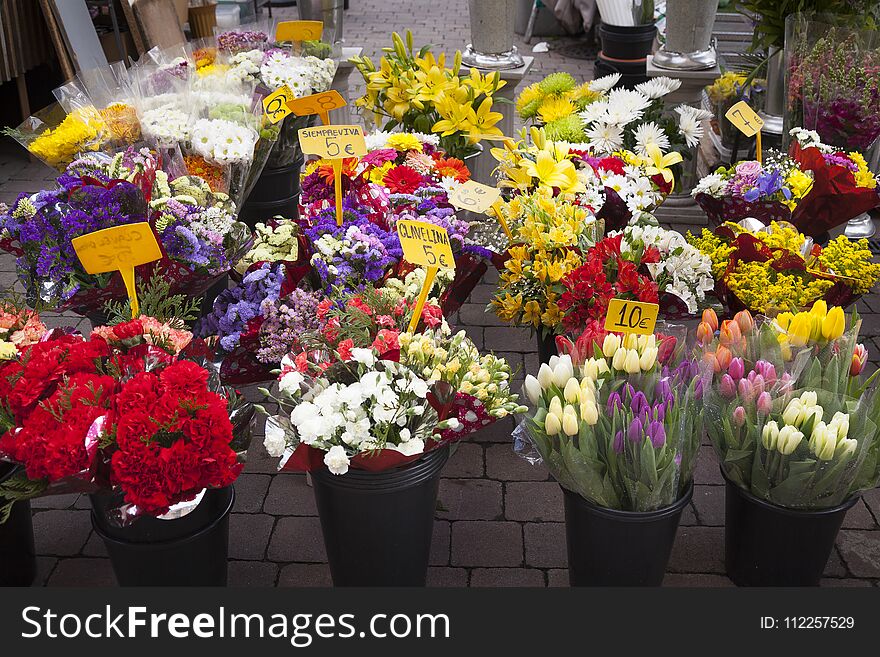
(416, 91)
(817, 187)
(776, 268)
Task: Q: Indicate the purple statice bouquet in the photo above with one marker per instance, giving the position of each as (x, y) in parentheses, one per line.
(236, 307)
(347, 257)
(284, 321)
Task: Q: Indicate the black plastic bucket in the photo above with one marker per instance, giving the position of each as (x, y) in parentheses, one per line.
(607, 547)
(769, 545)
(632, 73)
(627, 42)
(187, 551)
(377, 526)
(546, 347)
(276, 192)
(18, 563)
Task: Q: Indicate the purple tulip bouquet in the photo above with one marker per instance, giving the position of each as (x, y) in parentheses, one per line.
(622, 428)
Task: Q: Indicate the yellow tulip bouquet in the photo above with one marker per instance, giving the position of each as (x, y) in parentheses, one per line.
(417, 92)
(789, 414)
(550, 234)
(778, 268)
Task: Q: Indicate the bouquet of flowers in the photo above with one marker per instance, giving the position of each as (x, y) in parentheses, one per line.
(196, 228)
(728, 89)
(643, 262)
(279, 240)
(19, 328)
(618, 425)
(419, 93)
(367, 395)
(778, 268)
(125, 411)
(551, 235)
(787, 413)
(554, 103)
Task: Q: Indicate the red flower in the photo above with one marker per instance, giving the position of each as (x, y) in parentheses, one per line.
(612, 164)
(344, 348)
(386, 341)
(323, 308)
(432, 315)
(357, 302)
(452, 167)
(402, 180)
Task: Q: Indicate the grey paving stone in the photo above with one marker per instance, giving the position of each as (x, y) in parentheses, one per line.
(469, 499)
(859, 517)
(845, 583)
(466, 461)
(249, 535)
(545, 545)
(508, 338)
(257, 574)
(289, 495)
(83, 572)
(94, 547)
(698, 550)
(696, 580)
(533, 500)
(56, 501)
(497, 432)
(440, 542)
(302, 574)
(447, 577)
(61, 533)
(557, 577)
(500, 577)
(835, 566)
(860, 551)
(707, 471)
(297, 539)
(486, 543)
(503, 464)
(45, 566)
(709, 503)
(250, 490)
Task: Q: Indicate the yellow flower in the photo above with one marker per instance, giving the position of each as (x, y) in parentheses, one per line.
(378, 174)
(481, 122)
(484, 84)
(833, 324)
(552, 317)
(404, 141)
(8, 350)
(551, 173)
(528, 95)
(555, 108)
(532, 313)
(799, 183)
(864, 177)
(660, 163)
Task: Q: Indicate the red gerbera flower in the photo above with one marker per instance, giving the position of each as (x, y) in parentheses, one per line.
(402, 180)
(452, 167)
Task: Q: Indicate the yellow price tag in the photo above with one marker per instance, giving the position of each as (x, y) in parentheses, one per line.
(321, 104)
(745, 119)
(425, 244)
(625, 316)
(474, 196)
(332, 141)
(119, 248)
(299, 31)
(276, 105)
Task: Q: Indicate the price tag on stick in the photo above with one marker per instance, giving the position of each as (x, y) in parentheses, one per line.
(477, 197)
(747, 121)
(426, 245)
(121, 248)
(321, 104)
(299, 31)
(277, 104)
(334, 142)
(625, 316)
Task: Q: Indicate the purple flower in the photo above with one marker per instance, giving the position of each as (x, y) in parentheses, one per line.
(657, 434)
(639, 403)
(736, 369)
(634, 431)
(618, 442)
(727, 387)
(614, 403)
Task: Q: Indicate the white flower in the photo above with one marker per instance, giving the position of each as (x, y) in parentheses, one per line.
(275, 440)
(628, 99)
(223, 142)
(595, 111)
(690, 123)
(658, 87)
(605, 83)
(337, 460)
(363, 356)
(410, 447)
(650, 133)
(712, 185)
(605, 138)
(289, 383)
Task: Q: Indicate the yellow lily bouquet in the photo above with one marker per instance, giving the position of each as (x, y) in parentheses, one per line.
(417, 92)
(550, 234)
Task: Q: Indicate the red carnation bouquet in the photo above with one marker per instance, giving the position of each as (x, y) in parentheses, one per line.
(131, 411)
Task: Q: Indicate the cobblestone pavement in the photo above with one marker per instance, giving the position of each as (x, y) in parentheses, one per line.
(499, 520)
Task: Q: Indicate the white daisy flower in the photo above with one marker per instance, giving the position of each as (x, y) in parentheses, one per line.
(605, 83)
(628, 99)
(594, 112)
(605, 138)
(650, 133)
(713, 185)
(658, 87)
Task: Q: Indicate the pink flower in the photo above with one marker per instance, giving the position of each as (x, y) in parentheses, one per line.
(749, 169)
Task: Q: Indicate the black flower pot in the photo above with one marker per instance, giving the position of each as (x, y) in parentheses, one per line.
(607, 547)
(276, 192)
(18, 565)
(377, 526)
(627, 42)
(546, 347)
(769, 545)
(188, 551)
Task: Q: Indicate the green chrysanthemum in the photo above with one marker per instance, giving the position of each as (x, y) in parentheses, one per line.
(568, 128)
(557, 83)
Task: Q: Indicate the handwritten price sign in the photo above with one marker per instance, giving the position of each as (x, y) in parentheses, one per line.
(119, 248)
(277, 104)
(321, 104)
(745, 119)
(332, 141)
(298, 31)
(625, 316)
(474, 196)
(426, 245)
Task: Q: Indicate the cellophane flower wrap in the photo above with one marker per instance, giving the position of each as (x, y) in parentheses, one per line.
(788, 413)
(616, 418)
(367, 394)
(196, 228)
(127, 411)
(776, 268)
